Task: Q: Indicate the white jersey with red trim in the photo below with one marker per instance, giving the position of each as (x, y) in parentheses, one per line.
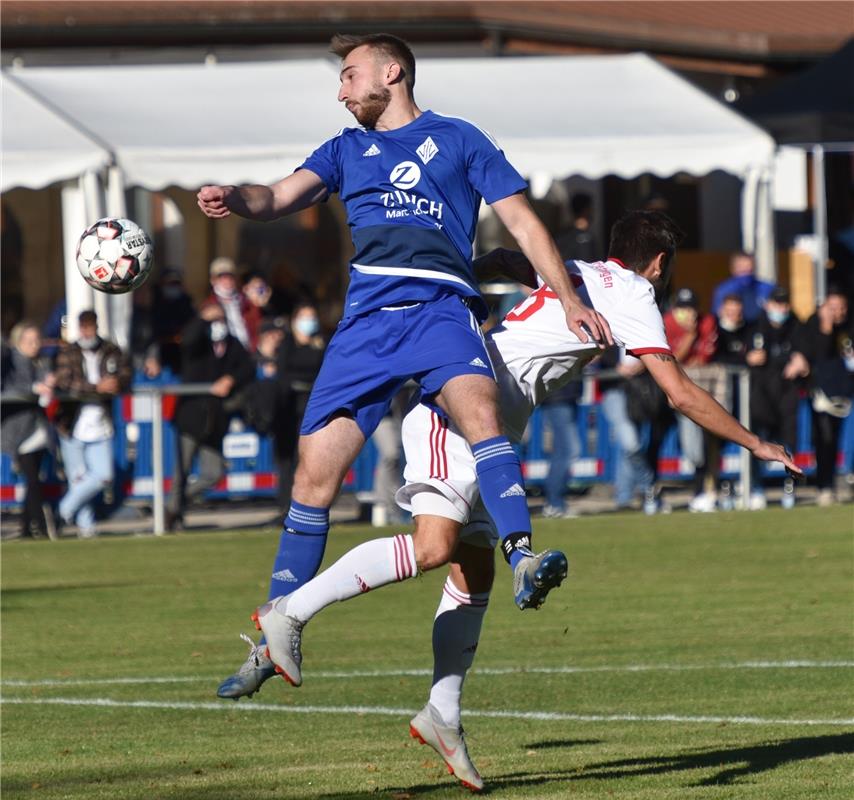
(534, 353)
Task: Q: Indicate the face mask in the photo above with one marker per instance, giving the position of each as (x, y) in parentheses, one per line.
(729, 325)
(88, 342)
(307, 326)
(219, 330)
(171, 292)
(777, 317)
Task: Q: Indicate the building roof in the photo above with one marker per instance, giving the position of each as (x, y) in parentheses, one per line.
(724, 29)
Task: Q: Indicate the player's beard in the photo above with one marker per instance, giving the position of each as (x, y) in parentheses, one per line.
(369, 109)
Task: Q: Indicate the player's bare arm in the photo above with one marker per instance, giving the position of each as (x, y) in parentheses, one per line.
(289, 195)
(700, 407)
(536, 243)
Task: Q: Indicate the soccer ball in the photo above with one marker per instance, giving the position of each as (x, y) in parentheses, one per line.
(114, 255)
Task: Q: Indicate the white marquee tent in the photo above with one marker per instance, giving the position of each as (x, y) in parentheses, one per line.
(190, 124)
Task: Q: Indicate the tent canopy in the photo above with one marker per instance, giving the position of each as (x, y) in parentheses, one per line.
(39, 146)
(187, 125)
(815, 106)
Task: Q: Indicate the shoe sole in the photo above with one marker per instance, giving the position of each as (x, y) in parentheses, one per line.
(279, 670)
(549, 575)
(414, 733)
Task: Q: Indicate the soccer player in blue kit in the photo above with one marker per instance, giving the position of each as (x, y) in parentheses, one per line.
(412, 182)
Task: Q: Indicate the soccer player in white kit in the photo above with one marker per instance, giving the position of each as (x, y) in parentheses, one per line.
(533, 353)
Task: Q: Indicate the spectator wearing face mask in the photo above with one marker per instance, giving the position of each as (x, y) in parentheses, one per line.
(209, 354)
(173, 310)
(777, 366)
(299, 358)
(829, 348)
(241, 315)
(89, 366)
(693, 336)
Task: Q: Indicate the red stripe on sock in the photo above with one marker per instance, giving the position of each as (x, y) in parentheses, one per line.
(397, 558)
(409, 571)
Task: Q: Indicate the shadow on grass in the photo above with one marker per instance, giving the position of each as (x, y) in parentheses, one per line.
(731, 765)
(736, 762)
(550, 743)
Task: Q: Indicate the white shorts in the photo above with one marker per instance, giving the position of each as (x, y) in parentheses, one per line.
(440, 476)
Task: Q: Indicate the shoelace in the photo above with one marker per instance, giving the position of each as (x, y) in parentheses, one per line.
(254, 651)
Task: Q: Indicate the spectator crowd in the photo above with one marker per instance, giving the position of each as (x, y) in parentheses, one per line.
(258, 352)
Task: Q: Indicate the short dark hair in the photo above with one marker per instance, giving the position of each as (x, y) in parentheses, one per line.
(732, 298)
(580, 204)
(87, 317)
(391, 46)
(639, 236)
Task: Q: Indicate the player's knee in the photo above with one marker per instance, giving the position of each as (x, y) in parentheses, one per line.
(434, 542)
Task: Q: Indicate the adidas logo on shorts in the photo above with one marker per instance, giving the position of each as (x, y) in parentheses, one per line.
(514, 491)
(478, 362)
(373, 150)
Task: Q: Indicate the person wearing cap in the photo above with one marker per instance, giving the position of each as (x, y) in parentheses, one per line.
(744, 284)
(241, 315)
(778, 367)
(89, 366)
(693, 337)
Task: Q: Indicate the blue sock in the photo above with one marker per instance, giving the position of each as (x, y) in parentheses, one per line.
(301, 547)
(502, 488)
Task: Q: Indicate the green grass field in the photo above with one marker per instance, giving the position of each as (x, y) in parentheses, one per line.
(688, 656)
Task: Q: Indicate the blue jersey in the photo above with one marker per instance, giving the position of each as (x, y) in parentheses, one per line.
(412, 197)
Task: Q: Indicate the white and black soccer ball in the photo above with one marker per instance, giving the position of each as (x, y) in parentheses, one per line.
(115, 255)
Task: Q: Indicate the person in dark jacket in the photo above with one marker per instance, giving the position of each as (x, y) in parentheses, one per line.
(778, 368)
(299, 359)
(827, 345)
(209, 354)
(98, 368)
(24, 431)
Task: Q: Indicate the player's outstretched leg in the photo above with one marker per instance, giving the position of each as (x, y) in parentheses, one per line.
(368, 566)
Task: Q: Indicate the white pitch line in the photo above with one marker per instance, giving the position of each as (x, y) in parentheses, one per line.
(548, 716)
(398, 673)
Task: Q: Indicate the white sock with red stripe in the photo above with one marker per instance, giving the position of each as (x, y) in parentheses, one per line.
(456, 631)
(368, 566)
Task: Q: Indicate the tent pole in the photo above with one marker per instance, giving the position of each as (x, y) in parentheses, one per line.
(78, 294)
(120, 304)
(819, 217)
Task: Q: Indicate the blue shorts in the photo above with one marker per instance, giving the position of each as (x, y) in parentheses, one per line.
(373, 355)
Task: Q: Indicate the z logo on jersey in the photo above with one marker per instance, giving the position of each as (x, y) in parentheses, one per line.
(405, 175)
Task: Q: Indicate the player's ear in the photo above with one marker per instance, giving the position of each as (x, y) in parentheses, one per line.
(393, 72)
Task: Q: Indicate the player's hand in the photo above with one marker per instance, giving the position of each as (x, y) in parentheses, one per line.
(213, 201)
(768, 451)
(587, 323)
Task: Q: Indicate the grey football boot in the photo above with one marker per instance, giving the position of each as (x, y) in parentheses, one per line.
(428, 727)
(248, 679)
(284, 638)
(535, 576)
